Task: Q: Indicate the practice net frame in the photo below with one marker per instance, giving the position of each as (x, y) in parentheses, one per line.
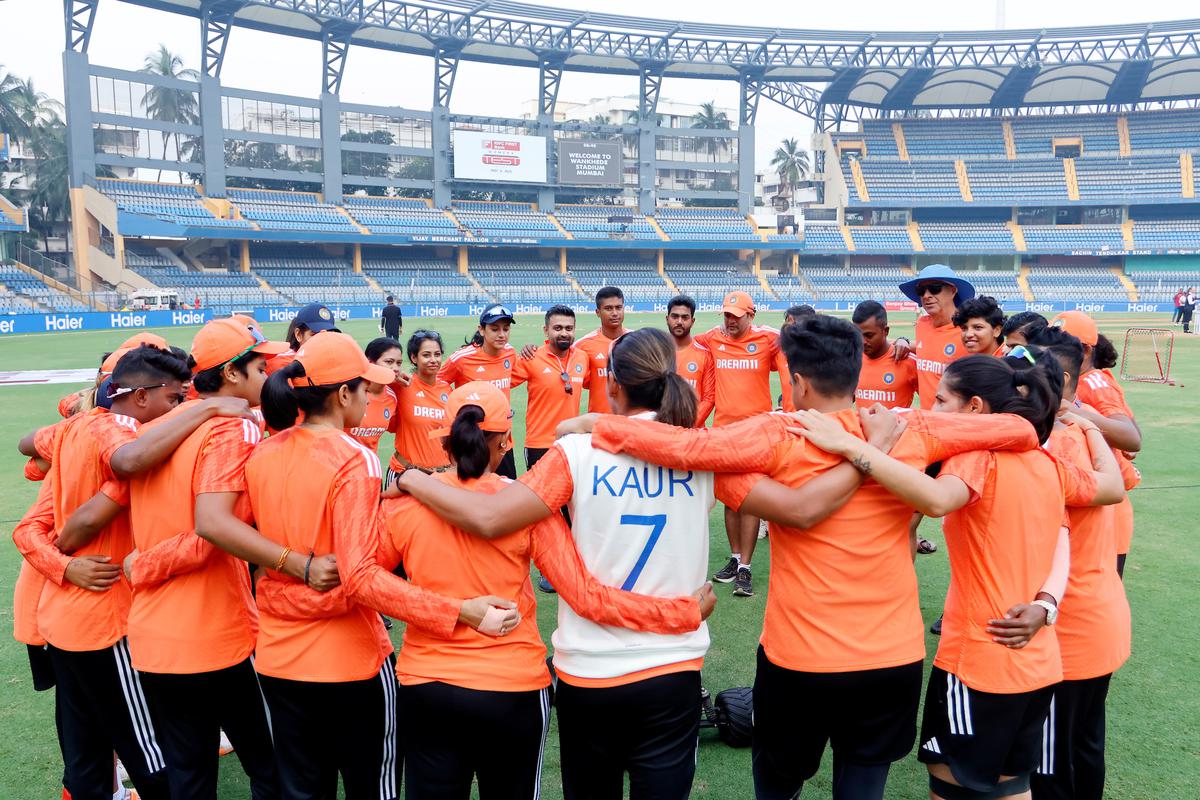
(1146, 357)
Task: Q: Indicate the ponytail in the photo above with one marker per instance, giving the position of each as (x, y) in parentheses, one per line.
(282, 402)
(643, 364)
(1034, 394)
(467, 443)
(1104, 354)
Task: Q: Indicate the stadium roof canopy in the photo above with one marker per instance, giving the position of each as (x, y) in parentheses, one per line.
(867, 73)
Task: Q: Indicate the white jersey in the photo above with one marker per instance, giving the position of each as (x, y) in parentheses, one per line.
(643, 528)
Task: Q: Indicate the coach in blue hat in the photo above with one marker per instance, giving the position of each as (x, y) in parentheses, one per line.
(931, 280)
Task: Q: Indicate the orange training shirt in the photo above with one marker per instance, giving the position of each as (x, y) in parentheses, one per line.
(316, 490)
(1099, 389)
(935, 348)
(596, 346)
(1093, 625)
(380, 417)
(422, 409)
(695, 365)
(1001, 545)
(743, 372)
(202, 619)
(549, 402)
(887, 380)
(470, 363)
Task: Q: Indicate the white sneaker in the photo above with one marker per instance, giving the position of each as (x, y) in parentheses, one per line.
(226, 747)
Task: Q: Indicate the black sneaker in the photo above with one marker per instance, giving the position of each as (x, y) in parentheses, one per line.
(743, 586)
(727, 573)
(545, 585)
(936, 628)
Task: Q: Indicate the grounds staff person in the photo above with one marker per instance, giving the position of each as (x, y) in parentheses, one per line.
(329, 680)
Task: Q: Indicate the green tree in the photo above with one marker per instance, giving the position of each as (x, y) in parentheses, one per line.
(710, 119)
(166, 104)
(790, 162)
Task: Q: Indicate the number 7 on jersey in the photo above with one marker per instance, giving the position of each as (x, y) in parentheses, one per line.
(657, 524)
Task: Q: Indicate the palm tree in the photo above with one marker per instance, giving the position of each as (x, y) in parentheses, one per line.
(22, 106)
(47, 174)
(709, 119)
(164, 103)
(791, 164)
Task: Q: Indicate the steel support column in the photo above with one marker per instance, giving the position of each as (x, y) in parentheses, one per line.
(331, 147)
(649, 86)
(81, 147)
(335, 48)
(80, 17)
(212, 136)
(550, 72)
(215, 26)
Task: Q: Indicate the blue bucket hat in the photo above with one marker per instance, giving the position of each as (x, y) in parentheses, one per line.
(939, 273)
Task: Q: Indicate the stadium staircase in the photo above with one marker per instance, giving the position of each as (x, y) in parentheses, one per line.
(1010, 143)
(766, 287)
(1072, 179)
(1127, 233)
(1018, 237)
(1187, 175)
(478, 286)
(11, 212)
(657, 228)
(374, 284)
(1130, 287)
(1023, 283)
(860, 182)
(1126, 150)
(466, 232)
(964, 184)
(848, 238)
(667, 280)
(342, 210)
(901, 142)
(575, 285)
(914, 234)
(565, 233)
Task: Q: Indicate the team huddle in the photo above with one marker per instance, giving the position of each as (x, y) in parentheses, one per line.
(216, 550)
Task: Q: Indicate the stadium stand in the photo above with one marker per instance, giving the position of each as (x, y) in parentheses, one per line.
(704, 223)
(512, 277)
(1164, 130)
(1164, 235)
(1129, 180)
(419, 276)
(968, 138)
(605, 222)
(824, 239)
(1001, 285)
(1034, 136)
(880, 239)
(488, 220)
(639, 280)
(22, 292)
(290, 211)
(1067, 238)
(404, 217)
(1017, 183)
(966, 237)
(181, 205)
(1050, 279)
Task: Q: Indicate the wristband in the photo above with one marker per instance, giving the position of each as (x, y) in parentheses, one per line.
(307, 567)
(282, 558)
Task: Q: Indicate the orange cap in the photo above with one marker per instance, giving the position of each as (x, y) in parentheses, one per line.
(497, 414)
(110, 363)
(1079, 325)
(331, 358)
(249, 322)
(738, 303)
(143, 338)
(223, 340)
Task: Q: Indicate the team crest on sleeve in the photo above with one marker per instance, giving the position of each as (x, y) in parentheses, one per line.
(752, 348)
(888, 377)
(949, 349)
(691, 366)
(507, 363)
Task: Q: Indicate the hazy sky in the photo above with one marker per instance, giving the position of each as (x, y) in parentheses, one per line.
(31, 44)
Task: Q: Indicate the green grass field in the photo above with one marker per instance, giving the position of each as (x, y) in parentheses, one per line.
(1154, 706)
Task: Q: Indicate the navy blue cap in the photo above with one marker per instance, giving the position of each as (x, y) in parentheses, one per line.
(316, 317)
(495, 313)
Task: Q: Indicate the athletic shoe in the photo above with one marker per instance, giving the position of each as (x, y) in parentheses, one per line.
(727, 573)
(226, 746)
(936, 628)
(925, 547)
(545, 586)
(743, 586)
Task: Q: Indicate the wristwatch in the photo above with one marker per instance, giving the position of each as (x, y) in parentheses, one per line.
(1051, 610)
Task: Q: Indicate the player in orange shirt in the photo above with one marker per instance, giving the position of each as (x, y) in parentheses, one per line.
(308, 322)
(693, 361)
(981, 321)
(610, 308)
(475, 705)
(329, 681)
(744, 355)
(1109, 411)
(886, 378)
(99, 696)
(1022, 327)
(938, 291)
(383, 404)
(993, 678)
(1093, 624)
(556, 377)
(422, 408)
(487, 357)
(192, 623)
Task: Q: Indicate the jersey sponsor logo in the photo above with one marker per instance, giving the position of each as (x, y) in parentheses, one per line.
(643, 482)
(950, 348)
(602, 372)
(877, 395)
(429, 413)
(502, 383)
(737, 363)
(365, 432)
(889, 377)
(929, 365)
(690, 382)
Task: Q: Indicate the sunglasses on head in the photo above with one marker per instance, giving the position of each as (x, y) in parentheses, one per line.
(114, 392)
(930, 288)
(258, 339)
